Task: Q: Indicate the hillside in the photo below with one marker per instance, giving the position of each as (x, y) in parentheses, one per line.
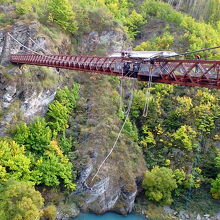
(57, 126)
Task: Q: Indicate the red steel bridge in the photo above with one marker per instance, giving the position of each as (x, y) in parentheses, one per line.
(159, 69)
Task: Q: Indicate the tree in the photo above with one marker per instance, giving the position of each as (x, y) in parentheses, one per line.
(13, 162)
(159, 184)
(53, 168)
(158, 43)
(58, 116)
(19, 200)
(21, 133)
(133, 22)
(148, 139)
(61, 12)
(215, 188)
(215, 185)
(66, 144)
(68, 97)
(59, 111)
(50, 212)
(36, 137)
(184, 137)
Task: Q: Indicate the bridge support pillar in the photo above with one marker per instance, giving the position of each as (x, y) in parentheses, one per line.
(5, 55)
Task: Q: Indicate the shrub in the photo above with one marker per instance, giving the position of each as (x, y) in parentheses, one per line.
(50, 212)
(59, 111)
(184, 137)
(13, 162)
(36, 137)
(61, 12)
(53, 168)
(215, 188)
(19, 200)
(159, 184)
(158, 43)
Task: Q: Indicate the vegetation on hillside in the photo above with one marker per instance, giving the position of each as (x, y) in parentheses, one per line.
(181, 121)
(196, 35)
(204, 10)
(37, 154)
(178, 138)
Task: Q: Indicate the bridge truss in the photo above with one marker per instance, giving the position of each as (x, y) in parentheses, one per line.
(202, 73)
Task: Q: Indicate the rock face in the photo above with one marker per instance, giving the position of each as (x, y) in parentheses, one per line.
(67, 211)
(115, 187)
(22, 97)
(105, 42)
(20, 32)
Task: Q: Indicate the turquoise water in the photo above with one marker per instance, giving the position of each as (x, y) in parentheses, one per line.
(108, 216)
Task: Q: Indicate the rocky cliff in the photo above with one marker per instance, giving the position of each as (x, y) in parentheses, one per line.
(115, 188)
(25, 91)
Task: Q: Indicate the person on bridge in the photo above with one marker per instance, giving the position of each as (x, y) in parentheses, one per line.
(197, 57)
(136, 68)
(126, 69)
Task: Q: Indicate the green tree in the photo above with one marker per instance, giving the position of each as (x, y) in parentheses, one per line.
(39, 137)
(50, 212)
(58, 116)
(158, 43)
(19, 200)
(13, 162)
(21, 133)
(215, 185)
(148, 139)
(62, 13)
(53, 168)
(133, 22)
(184, 137)
(68, 97)
(159, 184)
(215, 188)
(59, 111)
(66, 144)
(36, 137)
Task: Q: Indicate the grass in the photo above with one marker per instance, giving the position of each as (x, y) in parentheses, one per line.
(41, 77)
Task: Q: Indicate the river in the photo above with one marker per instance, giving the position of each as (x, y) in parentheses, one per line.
(108, 216)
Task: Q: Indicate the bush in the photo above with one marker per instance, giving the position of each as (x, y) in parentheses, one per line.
(54, 169)
(160, 43)
(35, 137)
(62, 13)
(19, 200)
(133, 22)
(198, 35)
(59, 111)
(184, 137)
(13, 161)
(159, 184)
(50, 212)
(215, 188)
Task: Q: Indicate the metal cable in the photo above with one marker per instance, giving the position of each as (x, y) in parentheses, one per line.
(23, 45)
(33, 50)
(147, 102)
(40, 46)
(190, 52)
